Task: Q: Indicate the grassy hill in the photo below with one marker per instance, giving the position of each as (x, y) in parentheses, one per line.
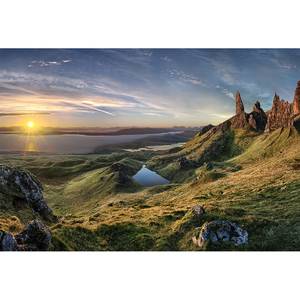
(237, 175)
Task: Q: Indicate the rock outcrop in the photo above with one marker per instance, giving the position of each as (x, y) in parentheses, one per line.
(280, 116)
(240, 120)
(205, 129)
(218, 232)
(7, 242)
(22, 185)
(35, 237)
(257, 118)
(239, 105)
(296, 103)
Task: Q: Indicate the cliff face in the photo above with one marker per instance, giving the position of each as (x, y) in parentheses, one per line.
(296, 103)
(282, 114)
(240, 120)
(256, 120)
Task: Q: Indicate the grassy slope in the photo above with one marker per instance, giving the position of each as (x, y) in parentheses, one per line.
(257, 184)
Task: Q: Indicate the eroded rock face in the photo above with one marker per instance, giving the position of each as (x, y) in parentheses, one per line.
(35, 237)
(239, 108)
(218, 232)
(296, 103)
(257, 118)
(240, 120)
(23, 185)
(280, 116)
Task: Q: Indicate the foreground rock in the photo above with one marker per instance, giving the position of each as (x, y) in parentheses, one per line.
(7, 242)
(198, 211)
(35, 237)
(22, 185)
(218, 232)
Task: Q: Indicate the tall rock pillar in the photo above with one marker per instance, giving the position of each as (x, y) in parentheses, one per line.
(296, 103)
(239, 106)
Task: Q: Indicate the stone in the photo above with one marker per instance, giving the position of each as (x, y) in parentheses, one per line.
(218, 232)
(198, 211)
(184, 163)
(22, 185)
(35, 237)
(7, 242)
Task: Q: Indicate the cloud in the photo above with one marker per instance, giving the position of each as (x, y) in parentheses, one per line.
(23, 114)
(185, 77)
(43, 63)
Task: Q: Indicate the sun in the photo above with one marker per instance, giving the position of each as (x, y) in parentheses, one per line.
(30, 124)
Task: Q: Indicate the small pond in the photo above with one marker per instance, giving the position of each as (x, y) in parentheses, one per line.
(146, 177)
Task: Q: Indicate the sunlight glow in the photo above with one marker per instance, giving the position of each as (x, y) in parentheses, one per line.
(30, 124)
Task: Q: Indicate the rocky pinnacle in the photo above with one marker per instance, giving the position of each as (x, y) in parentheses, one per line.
(239, 103)
(296, 103)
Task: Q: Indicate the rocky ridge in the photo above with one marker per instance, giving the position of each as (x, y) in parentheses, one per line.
(22, 185)
(283, 114)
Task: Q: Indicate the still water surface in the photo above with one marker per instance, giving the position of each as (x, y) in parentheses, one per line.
(61, 144)
(146, 177)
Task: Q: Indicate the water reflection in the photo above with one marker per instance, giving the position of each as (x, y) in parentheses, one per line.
(146, 177)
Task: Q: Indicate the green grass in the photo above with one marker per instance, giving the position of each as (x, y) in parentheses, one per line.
(253, 180)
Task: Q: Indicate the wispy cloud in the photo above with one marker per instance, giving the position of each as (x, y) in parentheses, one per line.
(185, 77)
(23, 114)
(43, 63)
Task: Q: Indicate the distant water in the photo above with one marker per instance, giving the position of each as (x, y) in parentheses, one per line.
(62, 144)
(157, 147)
(146, 177)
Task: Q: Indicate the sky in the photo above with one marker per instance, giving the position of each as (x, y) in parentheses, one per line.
(139, 87)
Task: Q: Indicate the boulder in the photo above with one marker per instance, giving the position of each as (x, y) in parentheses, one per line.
(35, 237)
(7, 242)
(185, 163)
(22, 185)
(198, 211)
(218, 232)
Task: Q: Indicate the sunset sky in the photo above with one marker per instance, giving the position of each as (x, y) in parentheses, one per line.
(139, 87)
